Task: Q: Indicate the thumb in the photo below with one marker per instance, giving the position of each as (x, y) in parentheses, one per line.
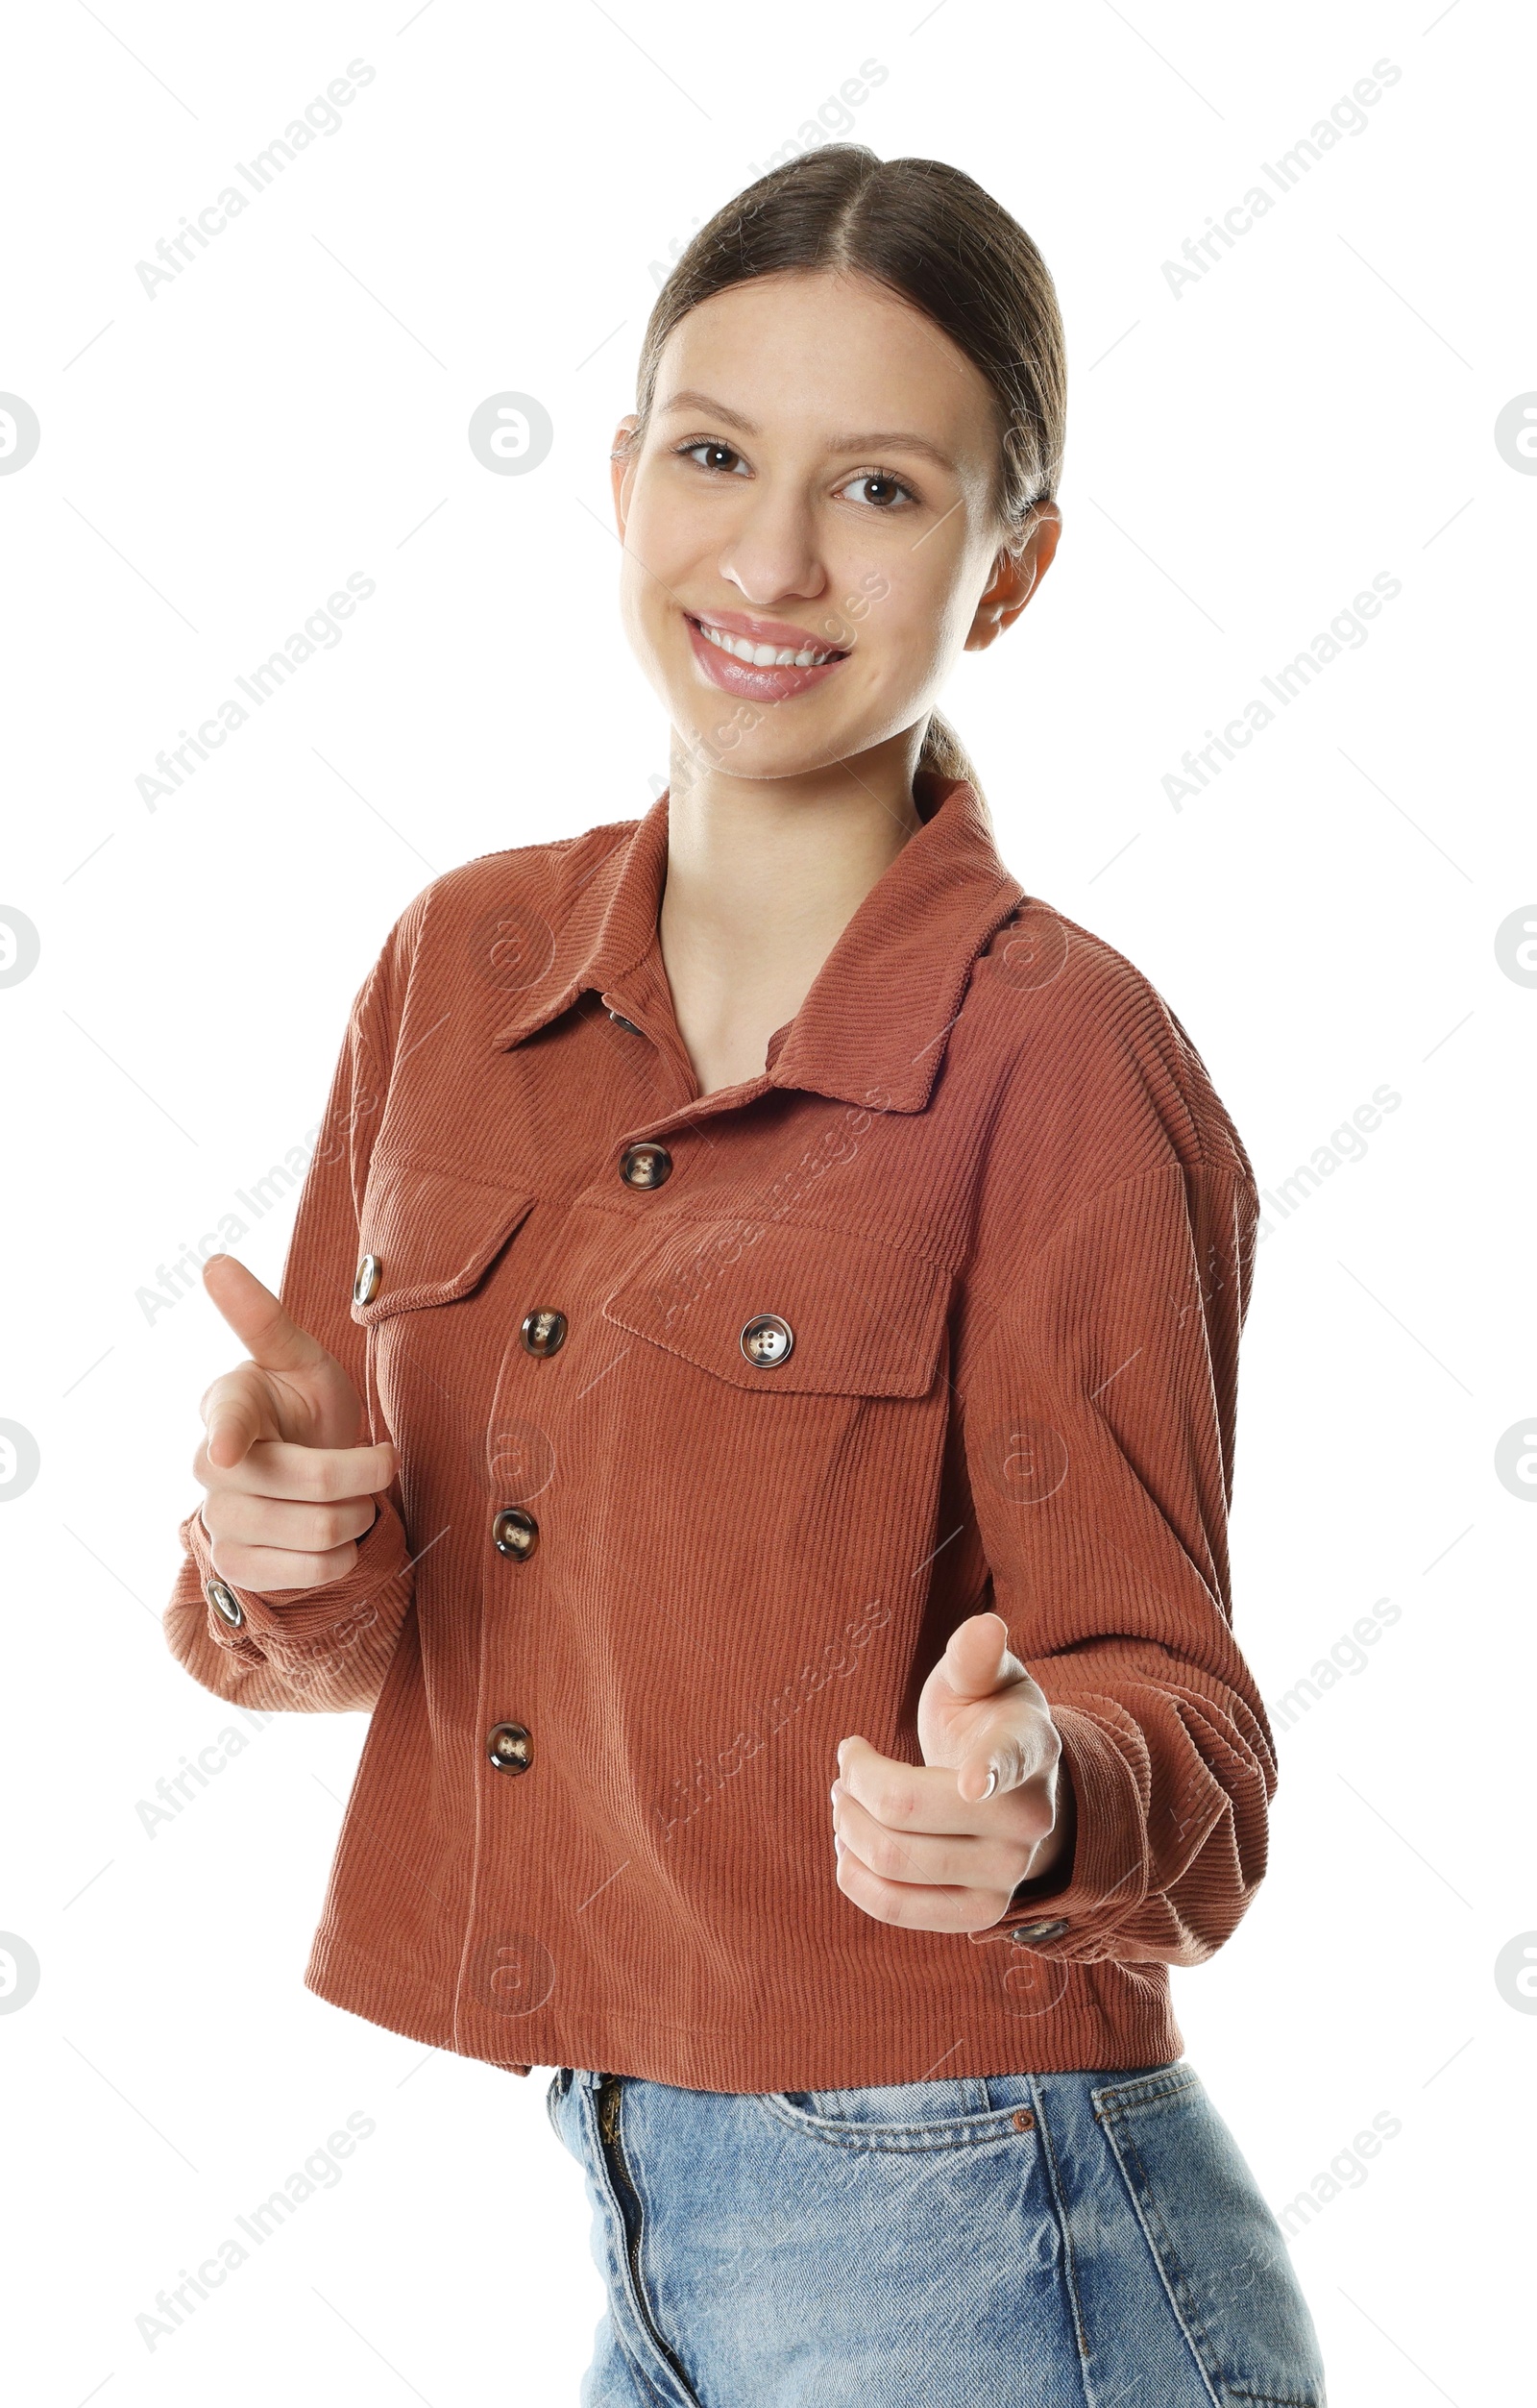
(242, 1404)
(264, 1325)
(975, 1666)
(974, 1660)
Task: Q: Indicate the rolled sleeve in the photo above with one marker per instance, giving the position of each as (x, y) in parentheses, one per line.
(318, 1650)
(326, 1649)
(1099, 1431)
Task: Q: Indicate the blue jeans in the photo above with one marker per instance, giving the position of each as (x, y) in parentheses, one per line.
(1002, 2241)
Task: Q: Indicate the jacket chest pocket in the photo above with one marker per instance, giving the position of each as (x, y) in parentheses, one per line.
(782, 1310)
(429, 1237)
(778, 1413)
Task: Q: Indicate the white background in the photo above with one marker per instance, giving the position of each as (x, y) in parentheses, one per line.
(1242, 460)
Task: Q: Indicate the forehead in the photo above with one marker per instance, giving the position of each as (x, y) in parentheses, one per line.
(828, 353)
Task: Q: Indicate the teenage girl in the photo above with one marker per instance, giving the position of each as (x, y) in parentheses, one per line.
(751, 1417)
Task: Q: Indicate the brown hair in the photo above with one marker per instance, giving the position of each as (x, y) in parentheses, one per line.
(930, 234)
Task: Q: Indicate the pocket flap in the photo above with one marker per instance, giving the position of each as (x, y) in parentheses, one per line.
(865, 1318)
(432, 1234)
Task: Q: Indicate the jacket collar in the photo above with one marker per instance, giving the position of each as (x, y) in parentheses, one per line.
(874, 1023)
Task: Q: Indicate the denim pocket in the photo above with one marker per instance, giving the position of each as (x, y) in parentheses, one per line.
(959, 2113)
(1219, 2249)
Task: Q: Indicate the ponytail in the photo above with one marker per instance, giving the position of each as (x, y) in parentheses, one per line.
(943, 755)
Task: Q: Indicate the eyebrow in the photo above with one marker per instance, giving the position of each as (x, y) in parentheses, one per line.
(890, 441)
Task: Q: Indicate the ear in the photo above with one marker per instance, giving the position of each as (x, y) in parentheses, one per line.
(1016, 575)
(621, 463)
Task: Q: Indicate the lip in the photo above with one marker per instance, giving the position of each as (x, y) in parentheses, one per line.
(740, 677)
(780, 631)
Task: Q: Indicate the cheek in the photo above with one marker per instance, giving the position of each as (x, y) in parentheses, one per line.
(898, 646)
(668, 529)
(645, 605)
(905, 595)
(666, 554)
(632, 584)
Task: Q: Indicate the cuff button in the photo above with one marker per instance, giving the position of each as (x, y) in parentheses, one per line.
(225, 1604)
(1025, 1933)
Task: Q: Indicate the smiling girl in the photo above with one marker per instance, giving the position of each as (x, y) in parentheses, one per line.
(750, 1415)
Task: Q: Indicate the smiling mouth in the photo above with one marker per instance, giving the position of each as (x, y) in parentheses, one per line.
(764, 655)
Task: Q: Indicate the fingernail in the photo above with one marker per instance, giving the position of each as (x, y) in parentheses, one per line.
(836, 1792)
(993, 1783)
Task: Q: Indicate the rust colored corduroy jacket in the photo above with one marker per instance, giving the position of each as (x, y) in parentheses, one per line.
(716, 1416)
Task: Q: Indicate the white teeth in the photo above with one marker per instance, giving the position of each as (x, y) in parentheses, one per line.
(760, 655)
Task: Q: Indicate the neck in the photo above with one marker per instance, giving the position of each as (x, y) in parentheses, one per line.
(762, 874)
(813, 845)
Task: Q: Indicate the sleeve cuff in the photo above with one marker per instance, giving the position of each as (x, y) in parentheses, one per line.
(301, 1631)
(1109, 1874)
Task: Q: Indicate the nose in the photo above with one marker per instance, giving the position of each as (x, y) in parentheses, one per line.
(771, 555)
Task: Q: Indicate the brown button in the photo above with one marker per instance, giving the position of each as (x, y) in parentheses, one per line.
(225, 1604)
(767, 1338)
(365, 1286)
(1023, 2119)
(515, 1533)
(510, 1748)
(543, 1329)
(1029, 1932)
(645, 1164)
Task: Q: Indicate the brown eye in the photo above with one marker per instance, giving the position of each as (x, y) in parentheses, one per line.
(888, 486)
(716, 454)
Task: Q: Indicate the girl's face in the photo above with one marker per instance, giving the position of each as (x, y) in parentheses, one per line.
(817, 478)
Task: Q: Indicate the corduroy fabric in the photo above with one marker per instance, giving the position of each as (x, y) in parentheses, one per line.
(986, 1179)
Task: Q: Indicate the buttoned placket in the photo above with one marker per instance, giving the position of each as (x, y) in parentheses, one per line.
(767, 1338)
(625, 970)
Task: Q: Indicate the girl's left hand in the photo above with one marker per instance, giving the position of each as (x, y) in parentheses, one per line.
(940, 1846)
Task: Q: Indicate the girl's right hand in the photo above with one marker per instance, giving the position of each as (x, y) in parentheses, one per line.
(289, 1491)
